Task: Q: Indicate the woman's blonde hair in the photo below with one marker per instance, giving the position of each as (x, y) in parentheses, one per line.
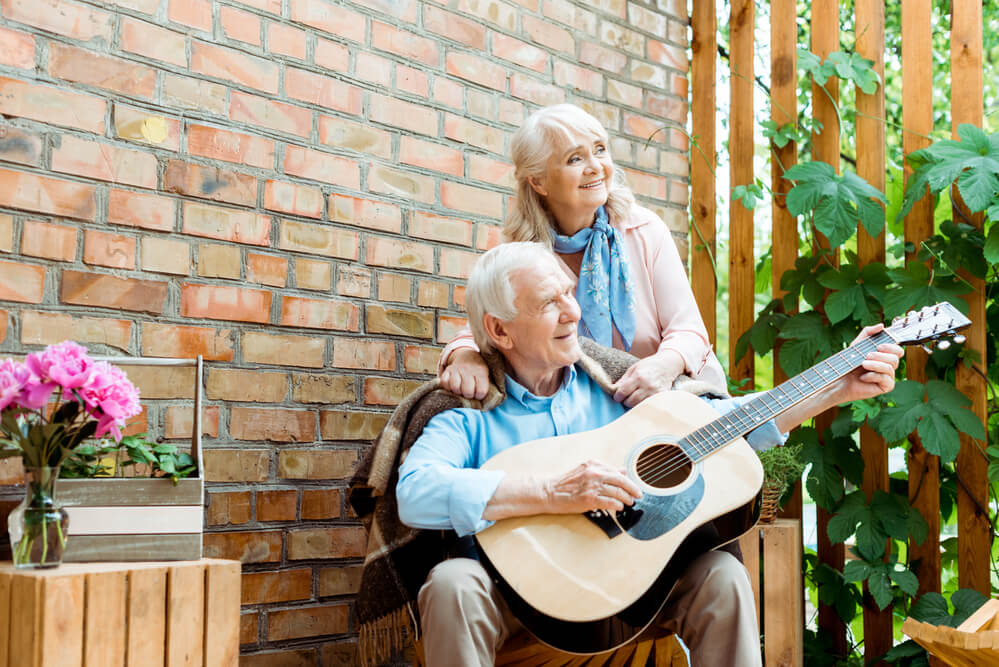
(530, 149)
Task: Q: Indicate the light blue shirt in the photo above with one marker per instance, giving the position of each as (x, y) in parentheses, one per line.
(440, 483)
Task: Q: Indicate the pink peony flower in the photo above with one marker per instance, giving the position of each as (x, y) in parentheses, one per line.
(111, 398)
(67, 364)
(14, 377)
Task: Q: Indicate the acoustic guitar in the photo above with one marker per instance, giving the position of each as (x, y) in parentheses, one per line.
(591, 582)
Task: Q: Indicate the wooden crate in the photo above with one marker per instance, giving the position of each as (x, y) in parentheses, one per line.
(974, 643)
(772, 553)
(169, 614)
(138, 519)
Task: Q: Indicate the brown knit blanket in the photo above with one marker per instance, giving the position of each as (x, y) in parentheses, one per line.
(398, 558)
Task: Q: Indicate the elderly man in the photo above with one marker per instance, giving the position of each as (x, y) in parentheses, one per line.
(521, 305)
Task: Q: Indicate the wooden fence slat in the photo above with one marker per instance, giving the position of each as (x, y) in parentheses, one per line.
(5, 612)
(185, 616)
(222, 584)
(105, 619)
(973, 537)
(740, 255)
(63, 617)
(917, 123)
(25, 622)
(146, 616)
(782, 586)
(703, 209)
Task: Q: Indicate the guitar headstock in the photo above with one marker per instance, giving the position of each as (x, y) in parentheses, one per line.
(930, 323)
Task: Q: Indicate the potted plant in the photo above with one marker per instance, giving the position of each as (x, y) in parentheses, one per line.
(782, 467)
(49, 405)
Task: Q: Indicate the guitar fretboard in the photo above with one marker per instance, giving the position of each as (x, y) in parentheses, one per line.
(768, 405)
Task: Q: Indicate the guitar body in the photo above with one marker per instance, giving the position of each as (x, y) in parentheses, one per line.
(587, 584)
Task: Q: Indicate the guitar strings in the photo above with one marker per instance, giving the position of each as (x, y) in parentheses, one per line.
(664, 464)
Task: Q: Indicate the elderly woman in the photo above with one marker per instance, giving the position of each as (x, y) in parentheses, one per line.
(625, 269)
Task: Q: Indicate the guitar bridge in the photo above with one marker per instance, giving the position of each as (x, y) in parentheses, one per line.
(613, 524)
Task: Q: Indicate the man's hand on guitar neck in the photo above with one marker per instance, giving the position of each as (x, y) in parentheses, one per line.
(876, 376)
(588, 486)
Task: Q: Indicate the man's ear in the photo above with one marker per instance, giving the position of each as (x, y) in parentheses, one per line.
(497, 332)
(537, 184)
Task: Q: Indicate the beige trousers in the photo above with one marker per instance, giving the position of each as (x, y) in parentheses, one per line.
(712, 609)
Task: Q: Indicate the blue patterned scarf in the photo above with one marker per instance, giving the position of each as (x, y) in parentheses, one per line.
(604, 289)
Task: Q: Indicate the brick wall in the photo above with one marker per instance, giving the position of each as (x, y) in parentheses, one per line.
(296, 190)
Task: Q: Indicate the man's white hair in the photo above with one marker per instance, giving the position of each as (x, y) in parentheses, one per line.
(489, 289)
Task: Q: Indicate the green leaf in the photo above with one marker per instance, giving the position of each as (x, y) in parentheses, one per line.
(939, 437)
(838, 203)
(905, 580)
(966, 602)
(992, 242)
(932, 608)
(856, 571)
(879, 586)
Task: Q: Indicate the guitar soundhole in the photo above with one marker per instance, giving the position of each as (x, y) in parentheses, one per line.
(663, 466)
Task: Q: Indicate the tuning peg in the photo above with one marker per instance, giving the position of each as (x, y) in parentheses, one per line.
(943, 345)
(959, 339)
(926, 349)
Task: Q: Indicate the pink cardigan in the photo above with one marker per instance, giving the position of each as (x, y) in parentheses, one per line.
(666, 316)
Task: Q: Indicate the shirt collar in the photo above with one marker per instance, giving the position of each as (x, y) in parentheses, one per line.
(519, 392)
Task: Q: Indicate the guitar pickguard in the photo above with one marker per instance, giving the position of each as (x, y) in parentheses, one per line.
(652, 515)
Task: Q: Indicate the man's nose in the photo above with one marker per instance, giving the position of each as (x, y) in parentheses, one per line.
(570, 309)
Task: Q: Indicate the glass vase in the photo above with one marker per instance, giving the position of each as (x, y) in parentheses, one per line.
(37, 527)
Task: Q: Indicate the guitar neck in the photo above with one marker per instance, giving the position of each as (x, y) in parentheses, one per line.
(737, 423)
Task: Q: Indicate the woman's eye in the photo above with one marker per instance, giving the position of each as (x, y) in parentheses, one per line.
(600, 149)
(574, 159)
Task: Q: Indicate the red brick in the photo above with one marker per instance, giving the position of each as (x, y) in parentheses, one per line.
(386, 180)
(318, 504)
(285, 40)
(457, 263)
(104, 162)
(366, 354)
(431, 156)
(152, 41)
(163, 255)
(321, 90)
(82, 66)
(216, 260)
(652, 75)
(293, 198)
(249, 631)
(598, 56)
(459, 297)
(578, 78)
(319, 166)
(234, 66)
(454, 27)
(19, 49)
(343, 425)
(399, 114)
(373, 69)
(194, 13)
(21, 282)
(48, 195)
(238, 465)
(239, 25)
(491, 171)
(106, 249)
(48, 104)
(204, 96)
(3, 325)
(41, 239)
(365, 213)
(257, 546)
(480, 103)
(278, 506)
(341, 133)
(472, 199)
(179, 422)
(448, 92)
(616, 7)
(552, 36)
(332, 56)
(39, 328)
(353, 281)
(272, 425)
(171, 340)
(448, 327)
(405, 44)
(662, 106)
(420, 359)
(340, 581)
(239, 384)
(316, 463)
(648, 185)
(412, 81)
(432, 294)
(266, 269)
(335, 542)
(228, 508)
(488, 237)
(623, 93)
(213, 183)
(534, 90)
(6, 232)
(399, 254)
(276, 116)
(227, 224)
(493, 11)
(667, 54)
(328, 389)
(318, 239)
(521, 53)
(418, 324)
(225, 303)
(319, 313)
(212, 142)
(105, 291)
(388, 391)
(438, 228)
(147, 128)
(401, 9)
(270, 6)
(62, 17)
(475, 134)
(17, 145)
(477, 70)
(141, 210)
(313, 274)
(269, 587)
(143, 6)
(307, 622)
(330, 18)
(259, 348)
(393, 287)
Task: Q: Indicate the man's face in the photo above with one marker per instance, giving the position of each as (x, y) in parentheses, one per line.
(543, 334)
